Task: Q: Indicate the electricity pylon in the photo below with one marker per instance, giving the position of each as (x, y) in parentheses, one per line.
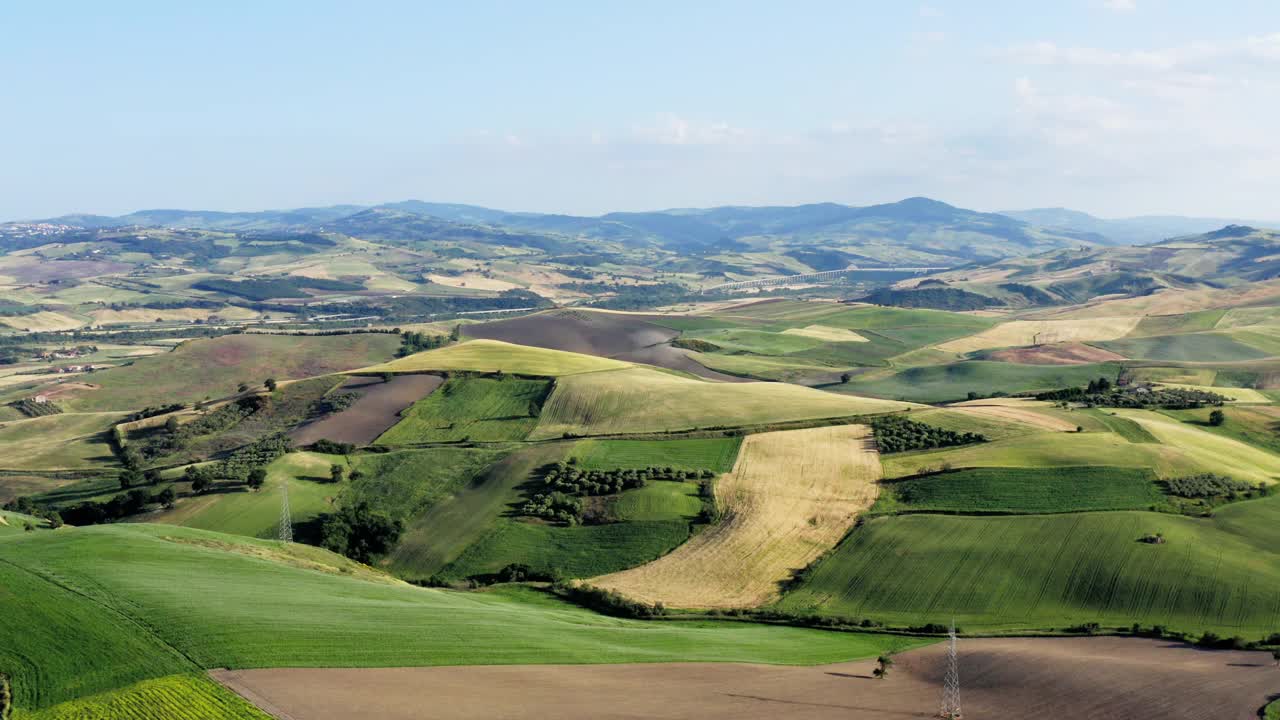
(286, 521)
(951, 682)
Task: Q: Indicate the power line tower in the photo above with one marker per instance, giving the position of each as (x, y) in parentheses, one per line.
(286, 520)
(951, 681)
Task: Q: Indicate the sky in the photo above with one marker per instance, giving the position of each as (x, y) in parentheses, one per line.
(1114, 107)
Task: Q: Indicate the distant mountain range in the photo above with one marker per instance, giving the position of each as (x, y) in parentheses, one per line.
(1128, 231)
(917, 231)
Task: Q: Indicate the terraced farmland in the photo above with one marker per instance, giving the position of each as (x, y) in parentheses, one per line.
(791, 495)
(647, 401)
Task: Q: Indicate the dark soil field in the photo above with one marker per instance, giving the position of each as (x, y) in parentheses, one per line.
(1095, 678)
(374, 413)
(613, 335)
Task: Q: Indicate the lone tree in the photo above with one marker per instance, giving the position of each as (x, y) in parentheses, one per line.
(270, 384)
(1275, 655)
(1217, 417)
(257, 478)
(883, 663)
(456, 333)
(845, 377)
(336, 472)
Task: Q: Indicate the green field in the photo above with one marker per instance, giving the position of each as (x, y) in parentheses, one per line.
(176, 697)
(436, 537)
(1048, 449)
(215, 367)
(138, 598)
(659, 500)
(1174, 324)
(1124, 427)
(1214, 452)
(489, 356)
(961, 422)
(257, 513)
(479, 409)
(943, 383)
(573, 552)
(1024, 490)
(1195, 347)
(1248, 425)
(1054, 571)
(714, 454)
(646, 401)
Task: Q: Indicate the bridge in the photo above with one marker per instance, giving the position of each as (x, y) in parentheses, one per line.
(815, 277)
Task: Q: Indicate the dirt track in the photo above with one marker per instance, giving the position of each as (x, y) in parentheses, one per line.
(613, 335)
(1004, 679)
(377, 409)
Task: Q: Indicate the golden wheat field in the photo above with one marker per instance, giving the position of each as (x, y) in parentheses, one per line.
(1015, 410)
(823, 332)
(791, 496)
(1039, 332)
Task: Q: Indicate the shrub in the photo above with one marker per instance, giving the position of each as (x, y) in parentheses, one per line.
(895, 433)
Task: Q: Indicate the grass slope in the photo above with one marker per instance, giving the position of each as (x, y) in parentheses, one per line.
(1042, 571)
(215, 367)
(1216, 453)
(1196, 347)
(471, 408)
(131, 595)
(490, 356)
(943, 383)
(68, 441)
(645, 401)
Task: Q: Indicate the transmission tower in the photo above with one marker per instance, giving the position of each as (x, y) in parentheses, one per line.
(286, 520)
(951, 682)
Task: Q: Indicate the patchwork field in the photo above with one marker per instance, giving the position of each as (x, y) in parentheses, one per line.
(647, 401)
(953, 381)
(1223, 455)
(490, 356)
(373, 413)
(1043, 332)
(1037, 571)
(1122, 679)
(791, 495)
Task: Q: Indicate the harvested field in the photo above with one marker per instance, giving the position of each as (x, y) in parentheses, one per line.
(107, 316)
(1241, 395)
(44, 321)
(1064, 354)
(495, 355)
(829, 334)
(473, 282)
(644, 400)
(1099, 678)
(1041, 332)
(1023, 412)
(374, 413)
(791, 496)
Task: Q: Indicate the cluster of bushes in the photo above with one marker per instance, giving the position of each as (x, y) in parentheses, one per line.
(149, 411)
(31, 408)
(608, 602)
(694, 344)
(415, 342)
(935, 298)
(895, 433)
(1102, 393)
(556, 506)
(359, 532)
(331, 447)
(26, 506)
(173, 436)
(1208, 485)
(334, 403)
(118, 507)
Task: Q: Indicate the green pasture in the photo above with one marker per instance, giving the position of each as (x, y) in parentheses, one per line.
(479, 409)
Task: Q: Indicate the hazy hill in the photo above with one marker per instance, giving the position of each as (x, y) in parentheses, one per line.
(1127, 231)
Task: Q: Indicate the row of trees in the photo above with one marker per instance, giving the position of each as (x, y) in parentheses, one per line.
(1102, 393)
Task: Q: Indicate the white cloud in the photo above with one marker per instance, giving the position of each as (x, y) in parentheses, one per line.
(1120, 5)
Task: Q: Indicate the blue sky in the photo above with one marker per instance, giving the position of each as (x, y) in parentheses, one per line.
(1117, 107)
